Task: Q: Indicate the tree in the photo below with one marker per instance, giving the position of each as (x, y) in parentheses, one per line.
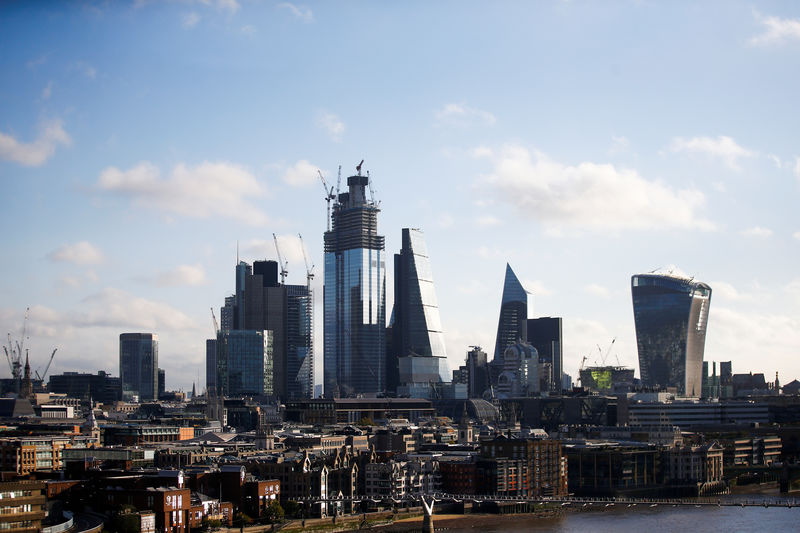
(274, 512)
(293, 509)
(241, 520)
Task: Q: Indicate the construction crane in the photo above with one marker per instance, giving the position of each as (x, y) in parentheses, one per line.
(339, 180)
(283, 265)
(309, 271)
(604, 356)
(329, 193)
(358, 167)
(216, 325)
(46, 368)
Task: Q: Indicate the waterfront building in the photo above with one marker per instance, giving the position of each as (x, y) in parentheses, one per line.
(522, 467)
(545, 335)
(22, 506)
(244, 363)
(699, 464)
(138, 365)
(614, 469)
(512, 325)
(354, 296)
(417, 329)
(671, 317)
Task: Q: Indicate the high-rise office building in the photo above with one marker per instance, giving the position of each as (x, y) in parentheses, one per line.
(477, 372)
(299, 341)
(417, 328)
(354, 298)
(545, 335)
(512, 326)
(244, 363)
(162, 382)
(138, 365)
(671, 317)
(211, 366)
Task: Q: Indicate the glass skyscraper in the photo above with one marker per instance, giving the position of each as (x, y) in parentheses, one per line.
(138, 365)
(671, 316)
(244, 363)
(545, 335)
(354, 297)
(417, 329)
(512, 326)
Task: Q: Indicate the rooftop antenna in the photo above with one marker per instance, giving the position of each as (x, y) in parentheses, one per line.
(237, 251)
(280, 260)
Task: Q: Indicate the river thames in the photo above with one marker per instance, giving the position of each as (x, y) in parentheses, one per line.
(643, 519)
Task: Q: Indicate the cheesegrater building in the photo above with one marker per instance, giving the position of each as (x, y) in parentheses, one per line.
(354, 295)
(671, 317)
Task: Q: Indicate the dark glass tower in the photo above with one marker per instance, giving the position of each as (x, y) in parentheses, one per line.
(354, 298)
(671, 316)
(138, 365)
(417, 328)
(545, 335)
(512, 326)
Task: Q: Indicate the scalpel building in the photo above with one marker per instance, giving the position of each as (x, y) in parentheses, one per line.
(671, 317)
(354, 296)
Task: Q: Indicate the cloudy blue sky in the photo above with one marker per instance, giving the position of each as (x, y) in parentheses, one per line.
(581, 142)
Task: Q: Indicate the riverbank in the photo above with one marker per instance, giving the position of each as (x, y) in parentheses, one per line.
(463, 522)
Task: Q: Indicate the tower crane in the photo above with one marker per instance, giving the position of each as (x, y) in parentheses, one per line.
(216, 325)
(329, 193)
(283, 265)
(309, 271)
(339, 180)
(604, 356)
(358, 167)
(46, 368)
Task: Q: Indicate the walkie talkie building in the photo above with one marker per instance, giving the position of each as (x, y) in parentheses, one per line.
(671, 317)
(354, 297)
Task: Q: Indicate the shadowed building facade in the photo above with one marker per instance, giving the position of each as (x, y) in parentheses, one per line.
(671, 316)
(138, 365)
(418, 354)
(354, 296)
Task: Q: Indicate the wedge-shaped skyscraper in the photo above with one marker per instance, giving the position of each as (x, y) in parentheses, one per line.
(671, 316)
(512, 326)
(354, 297)
(418, 352)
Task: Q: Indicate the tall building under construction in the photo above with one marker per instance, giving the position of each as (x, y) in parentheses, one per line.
(354, 296)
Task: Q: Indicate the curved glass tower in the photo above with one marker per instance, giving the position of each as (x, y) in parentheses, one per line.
(354, 296)
(671, 317)
(512, 326)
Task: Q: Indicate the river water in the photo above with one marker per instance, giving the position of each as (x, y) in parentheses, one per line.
(643, 519)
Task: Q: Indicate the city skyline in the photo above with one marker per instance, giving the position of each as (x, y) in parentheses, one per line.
(579, 148)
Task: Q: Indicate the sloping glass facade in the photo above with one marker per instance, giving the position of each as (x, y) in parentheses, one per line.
(671, 317)
(417, 328)
(354, 296)
(512, 326)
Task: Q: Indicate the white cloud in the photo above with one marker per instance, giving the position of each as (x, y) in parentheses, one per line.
(190, 20)
(775, 159)
(79, 253)
(461, 115)
(488, 221)
(39, 151)
(776, 30)
(620, 144)
(47, 92)
(737, 336)
(797, 167)
(723, 147)
(301, 12)
(445, 220)
(85, 68)
(757, 231)
(231, 6)
(332, 125)
(182, 275)
(589, 196)
(726, 291)
(535, 287)
(796, 235)
(206, 190)
(248, 29)
(301, 174)
(597, 290)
